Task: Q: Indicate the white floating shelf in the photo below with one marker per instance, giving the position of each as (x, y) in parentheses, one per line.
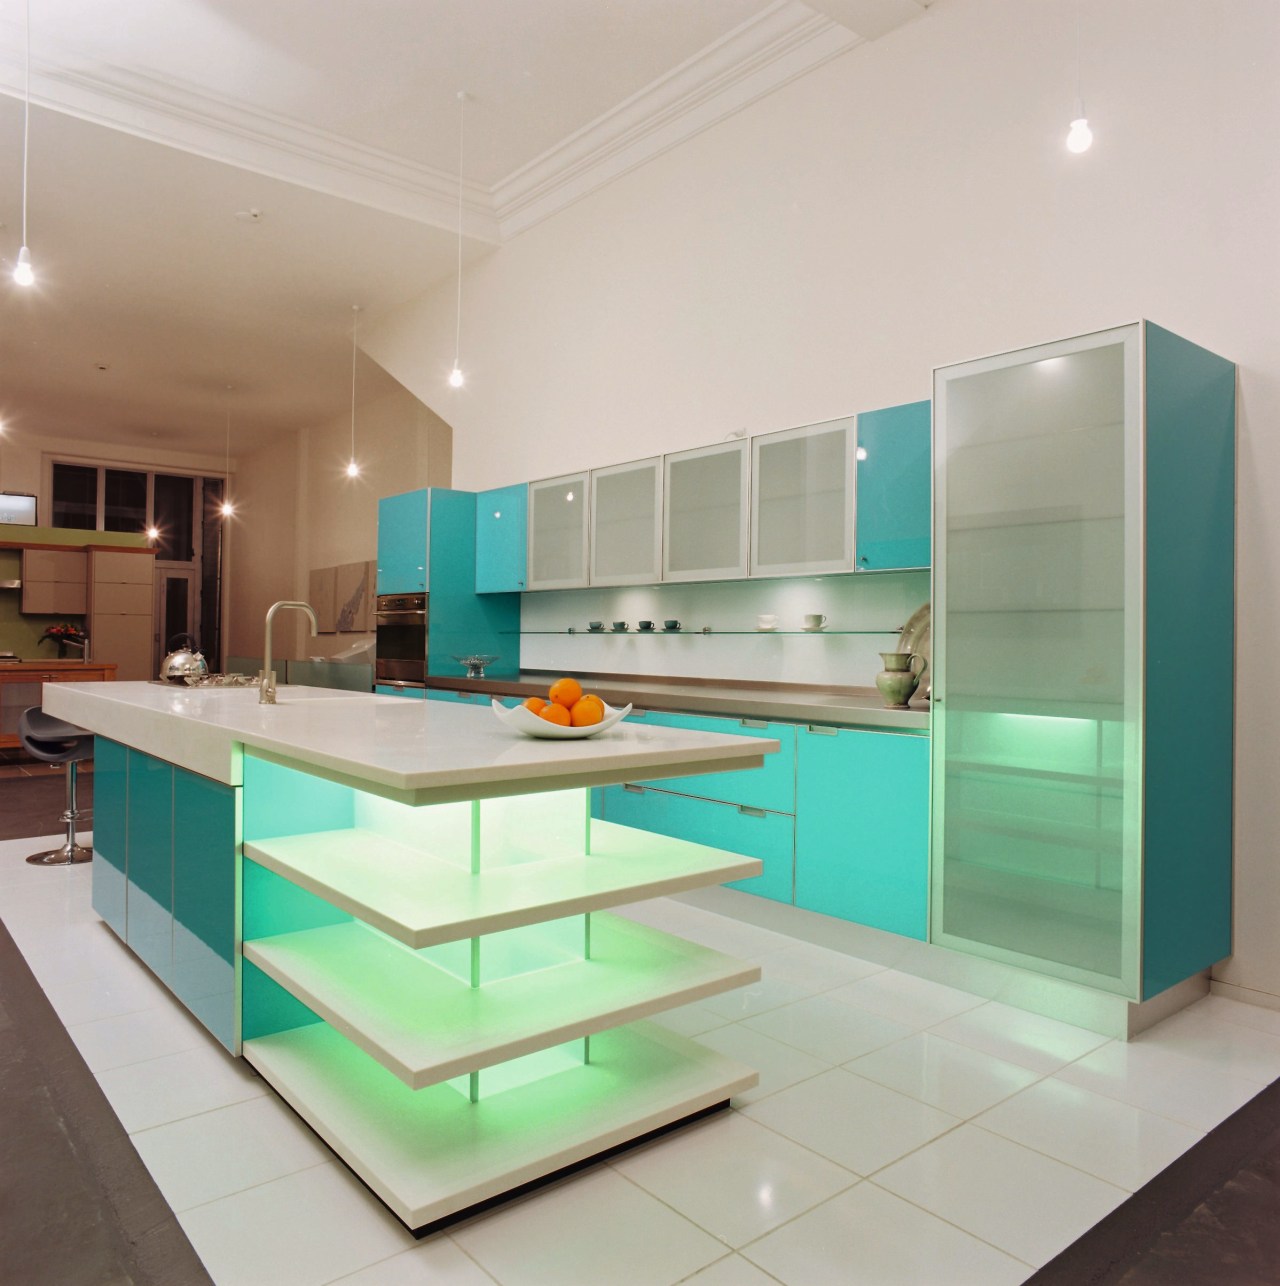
(426, 1026)
(421, 900)
(431, 1153)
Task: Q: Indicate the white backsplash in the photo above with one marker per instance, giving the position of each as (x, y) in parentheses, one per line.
(880, 602)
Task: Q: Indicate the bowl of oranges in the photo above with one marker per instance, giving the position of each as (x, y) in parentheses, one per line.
(564, 714)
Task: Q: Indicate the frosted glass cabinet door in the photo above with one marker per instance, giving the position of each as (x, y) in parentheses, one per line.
(802, 500)
(558, 532)
(705, 513)
(1037, 659)
(626, 523)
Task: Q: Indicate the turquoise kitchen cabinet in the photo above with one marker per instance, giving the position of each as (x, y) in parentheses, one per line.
(402, 543)
(752, 832)
(1083, 659)
(394, 690)
(895, 481)
(149, 863)
(502, 539)
(110, 808)
(862, 827)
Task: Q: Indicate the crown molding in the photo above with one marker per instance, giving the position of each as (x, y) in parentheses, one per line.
(782, 43)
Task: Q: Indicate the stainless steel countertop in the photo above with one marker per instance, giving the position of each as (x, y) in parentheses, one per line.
(849, 707)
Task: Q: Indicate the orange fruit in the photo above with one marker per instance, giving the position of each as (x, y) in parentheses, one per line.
(534, 703)
(554, 712)
(586, 711)
(565, 692)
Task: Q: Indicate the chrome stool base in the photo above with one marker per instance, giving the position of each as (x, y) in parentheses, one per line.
(67, 855)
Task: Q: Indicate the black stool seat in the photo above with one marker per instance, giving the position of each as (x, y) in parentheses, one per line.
(57, 742)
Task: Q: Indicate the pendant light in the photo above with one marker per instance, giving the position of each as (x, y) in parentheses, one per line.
(456, 377)
(353, 469)
(23, 273)
(1079, 136)
(228, 508)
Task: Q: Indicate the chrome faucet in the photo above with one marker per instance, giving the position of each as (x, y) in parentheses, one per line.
(267, 679)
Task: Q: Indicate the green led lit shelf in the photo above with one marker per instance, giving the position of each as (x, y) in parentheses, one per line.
(426, 1026)
(430, 1153)
(421, 901)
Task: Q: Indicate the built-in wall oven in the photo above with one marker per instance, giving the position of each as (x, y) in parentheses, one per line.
(400, 657)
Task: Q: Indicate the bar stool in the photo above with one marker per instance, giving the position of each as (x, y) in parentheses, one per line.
(55, 742)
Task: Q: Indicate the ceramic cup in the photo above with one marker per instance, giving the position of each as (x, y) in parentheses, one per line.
(814, 621)
(767, 621)
(620, 627)
(671, 625)
(646, 625)
(595, 626)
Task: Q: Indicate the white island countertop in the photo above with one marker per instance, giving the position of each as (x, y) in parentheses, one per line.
(415, 751)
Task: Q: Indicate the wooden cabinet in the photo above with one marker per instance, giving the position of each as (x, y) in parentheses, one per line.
(558, 533)
(21, 684)
(54, 582)
(626, 523)
(706, 513)
(121, 610)
(802, 500)
(895, 481)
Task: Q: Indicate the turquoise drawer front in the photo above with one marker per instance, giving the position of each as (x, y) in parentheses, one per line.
(470, 698)
(110, 809)
(862, 828)
(753, 833)
(149, 840)
(771, 787)
(387, 690)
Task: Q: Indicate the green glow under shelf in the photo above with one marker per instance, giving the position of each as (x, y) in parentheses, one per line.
(430, 1153)
(425, 1026)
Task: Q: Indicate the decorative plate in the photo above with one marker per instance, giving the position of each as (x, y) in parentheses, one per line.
(522, 719)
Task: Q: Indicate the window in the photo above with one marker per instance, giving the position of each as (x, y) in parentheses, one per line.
(174, 509)
(124, 505)
(75, 496)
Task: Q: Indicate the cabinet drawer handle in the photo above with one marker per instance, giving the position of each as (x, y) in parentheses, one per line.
(753, 723)
(747, 811)
(821, 730)
(638, 714)
(635, 790)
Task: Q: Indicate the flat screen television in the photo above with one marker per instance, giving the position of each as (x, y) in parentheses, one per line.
(18, 507)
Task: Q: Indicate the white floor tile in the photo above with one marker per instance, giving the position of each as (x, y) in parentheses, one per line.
(15, 873)
(1218, 1043)
(1236, 1011)
(690, 1020)
(438, 1261)
(733, 1177)
(828, 1029)
(855, 1122)
(1153, 1078)
(176, 1086)
(868, 1237)
(1041, 1044)
(1111, 1140)
(306, 1228)
(937, 1071)
(779, 1065)
(1028, 1205)
(133, 1038)
(107, 995)
(732, 1270)
(594, 1228)
(212, 1155)
(760, 997)
(817, 968)
(914, 1002)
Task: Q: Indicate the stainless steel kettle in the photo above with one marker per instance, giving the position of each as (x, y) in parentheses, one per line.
(185, 661)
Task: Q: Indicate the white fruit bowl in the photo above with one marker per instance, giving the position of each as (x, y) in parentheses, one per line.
(522, 719)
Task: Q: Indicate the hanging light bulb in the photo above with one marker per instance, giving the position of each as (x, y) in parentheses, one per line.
(353, 467)
(1079, 136)
(227, 508)
(456, 377)
(23, 273)
(153, 533)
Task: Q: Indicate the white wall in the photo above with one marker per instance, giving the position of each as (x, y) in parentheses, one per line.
(907, 205)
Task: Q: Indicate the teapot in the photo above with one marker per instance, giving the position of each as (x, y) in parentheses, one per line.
(185, 662)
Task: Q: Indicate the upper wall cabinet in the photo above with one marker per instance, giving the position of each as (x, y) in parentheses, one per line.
(626, 523)
(502, 539)
(895, 480)
(802, 500)
(558, 533)
(706, 513)
(402, 543)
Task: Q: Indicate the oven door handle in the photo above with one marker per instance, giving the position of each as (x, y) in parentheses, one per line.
(421, 611)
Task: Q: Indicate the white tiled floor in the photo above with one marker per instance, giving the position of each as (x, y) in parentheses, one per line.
(903, 1131)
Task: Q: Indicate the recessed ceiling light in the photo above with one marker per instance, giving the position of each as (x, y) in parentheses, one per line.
(251, 215)
(102, 366)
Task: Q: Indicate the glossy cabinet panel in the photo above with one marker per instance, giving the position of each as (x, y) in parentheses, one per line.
(626, 523)
(706, 516)
(862, 827)
(802, 500)
(390, 690)
(558, 532)
(149, 836)
(110, 808)
(895, 477)
(502, 539)
(402, 543)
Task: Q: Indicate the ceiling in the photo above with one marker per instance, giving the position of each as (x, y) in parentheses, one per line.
(214, 183)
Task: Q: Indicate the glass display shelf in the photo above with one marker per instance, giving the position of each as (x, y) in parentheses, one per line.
(702, 631)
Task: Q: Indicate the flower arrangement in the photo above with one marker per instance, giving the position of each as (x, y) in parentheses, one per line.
(64, 633)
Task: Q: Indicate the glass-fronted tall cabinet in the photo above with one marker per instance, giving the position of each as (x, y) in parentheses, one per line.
(1083, 657)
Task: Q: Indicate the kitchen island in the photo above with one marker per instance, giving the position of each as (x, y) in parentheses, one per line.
(397, 912)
